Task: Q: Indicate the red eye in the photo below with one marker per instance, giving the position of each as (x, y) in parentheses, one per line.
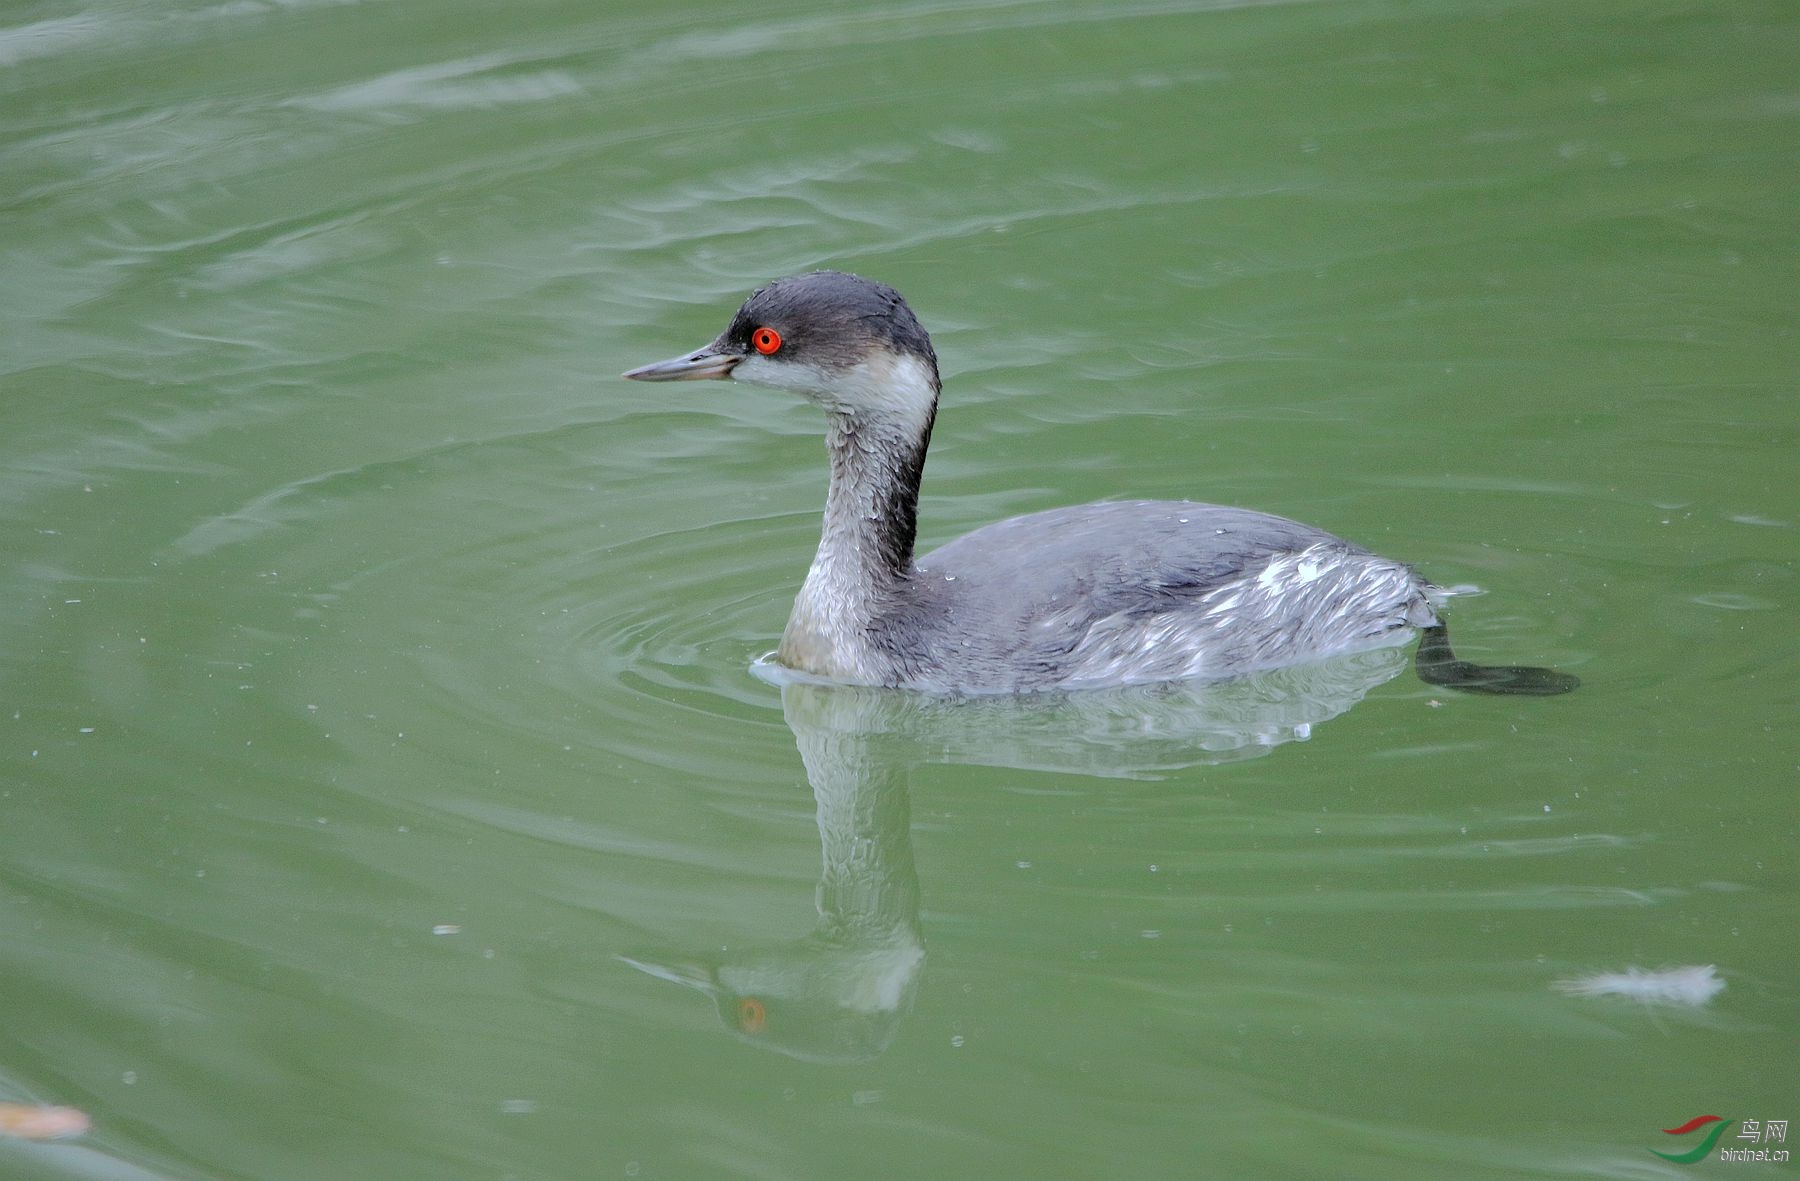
(765, 340)
(751, 1013)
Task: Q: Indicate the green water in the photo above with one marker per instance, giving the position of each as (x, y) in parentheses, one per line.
(349, 597)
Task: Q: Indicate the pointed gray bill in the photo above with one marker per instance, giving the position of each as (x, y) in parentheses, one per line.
(709, 362)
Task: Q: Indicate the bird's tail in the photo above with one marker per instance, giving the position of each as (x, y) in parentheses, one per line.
(1437, 664)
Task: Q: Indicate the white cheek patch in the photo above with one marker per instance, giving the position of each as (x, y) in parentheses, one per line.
(891, 387)
(884, 386)
(809, 381)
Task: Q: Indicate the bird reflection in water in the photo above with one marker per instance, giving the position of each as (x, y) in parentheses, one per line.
(841, 993)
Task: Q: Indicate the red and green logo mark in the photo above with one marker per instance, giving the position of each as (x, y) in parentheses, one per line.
(1719, 1124)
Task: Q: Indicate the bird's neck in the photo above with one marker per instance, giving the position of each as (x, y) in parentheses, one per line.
(872, 506)
(866, 546)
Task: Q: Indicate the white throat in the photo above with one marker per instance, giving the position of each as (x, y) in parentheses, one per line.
(880, 416)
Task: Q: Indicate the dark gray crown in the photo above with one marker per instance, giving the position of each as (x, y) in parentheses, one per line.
(832, 319)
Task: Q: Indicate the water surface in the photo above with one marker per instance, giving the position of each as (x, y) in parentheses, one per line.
(385, 791)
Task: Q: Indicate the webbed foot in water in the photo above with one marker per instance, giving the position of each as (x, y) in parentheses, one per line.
(1437, 664)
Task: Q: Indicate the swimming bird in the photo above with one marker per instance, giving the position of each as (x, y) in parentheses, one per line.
(1111, 593)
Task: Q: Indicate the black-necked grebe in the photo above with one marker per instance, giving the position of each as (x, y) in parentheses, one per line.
(1101, 594)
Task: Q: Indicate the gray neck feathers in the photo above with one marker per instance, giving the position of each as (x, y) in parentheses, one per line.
(877, 440)
(872, 507)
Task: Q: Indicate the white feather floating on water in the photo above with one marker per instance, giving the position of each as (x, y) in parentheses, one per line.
(1691, 985)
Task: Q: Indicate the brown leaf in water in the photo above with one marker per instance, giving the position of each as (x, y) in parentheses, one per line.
(29, 1121)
